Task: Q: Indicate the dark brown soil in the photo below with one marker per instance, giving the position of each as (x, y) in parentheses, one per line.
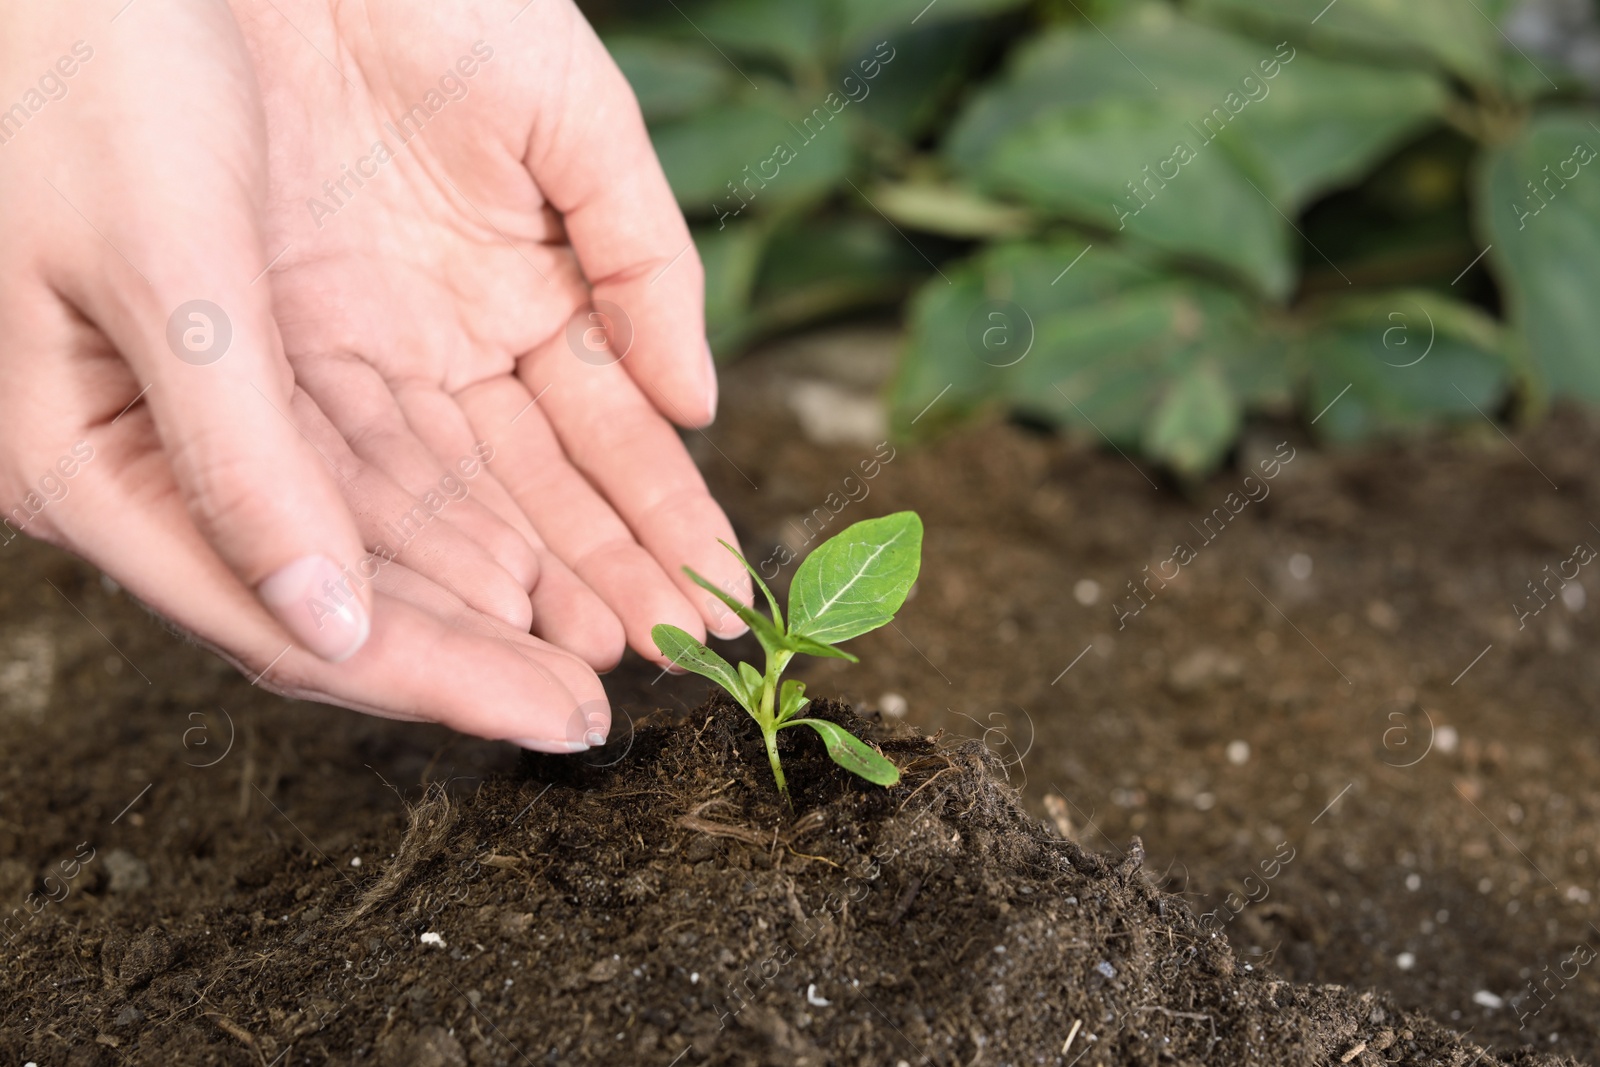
(1409, 822)
(662, 907)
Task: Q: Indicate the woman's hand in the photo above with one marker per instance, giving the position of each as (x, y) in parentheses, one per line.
(464, 208)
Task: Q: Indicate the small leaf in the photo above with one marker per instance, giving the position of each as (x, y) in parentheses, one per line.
(752, 680)
(684, 651)
(791, 699)
(856, 581)
(1539, 204)
(801, 643)
(759, 624)
(851, 753)
(772, 601)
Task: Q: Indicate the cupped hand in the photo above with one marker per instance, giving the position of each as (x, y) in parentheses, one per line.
(475, 253)
(151, 423)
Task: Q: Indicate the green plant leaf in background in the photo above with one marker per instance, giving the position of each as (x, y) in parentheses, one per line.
(1189, 138)
(671, 79)
(1400, 361)
(1462, 36)
(728, 162)
(855, 581)
(1103, 341)
(1539, 209)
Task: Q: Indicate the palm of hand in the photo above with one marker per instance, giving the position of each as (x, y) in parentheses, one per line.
(445, 185)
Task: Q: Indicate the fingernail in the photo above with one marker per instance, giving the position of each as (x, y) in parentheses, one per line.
(728, 635)
(595, 738)
(326, 617)
(711, 386)
(556, 748)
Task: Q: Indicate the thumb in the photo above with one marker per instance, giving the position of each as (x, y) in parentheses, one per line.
(183, 294)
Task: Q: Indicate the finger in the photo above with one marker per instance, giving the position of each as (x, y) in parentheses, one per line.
(438, 421)
(396, 527)
(362, 406)
(565, 611)
(579, 526)
(630, 237)
(173, 292)
(634, 458)
(462, 670)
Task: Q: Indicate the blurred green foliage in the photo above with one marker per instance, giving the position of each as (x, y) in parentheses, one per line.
(1145, 219)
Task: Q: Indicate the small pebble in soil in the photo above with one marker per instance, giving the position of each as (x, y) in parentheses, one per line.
(1300, 566)
(1238, 753)
(1573, 597)
(431, 938)
(1105, 968)
(1086, 592)
(1445, 739)
(1488, 1000)
(1405, 961)
(893, 705)
(1413, 882)
(128, 873)
(355, 861)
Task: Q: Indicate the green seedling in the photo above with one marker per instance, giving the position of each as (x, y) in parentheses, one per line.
(853, 583)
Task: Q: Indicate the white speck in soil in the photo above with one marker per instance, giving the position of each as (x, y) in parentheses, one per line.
(1238, 753)
(1105, 968)
(1488, 1000)
(355, 861)
(1413, 882)
(1405, 961)
(431, 938)
(1300, 566)
(1573, 596)
(1205, 801)
(1086, 592)
(1445, 739)
(893, 705)
(813, 999)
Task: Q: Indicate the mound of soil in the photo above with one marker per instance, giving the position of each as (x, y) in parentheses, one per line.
(654, 903)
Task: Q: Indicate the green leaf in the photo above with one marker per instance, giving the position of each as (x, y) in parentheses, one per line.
(1195, 421)
(670, 79)
(772, 601)
(951, 210)
(754, 155)
(1400, 361)
(856, 581)
(851, 753)
(798, 32)
(759, 624)
(1237, 138)
(691, 655)
(1098, 339)
(791, 699)
(1546, 243)
(1460, 39)
(816, 648)
(731, 257)
(864, 22)
(752, 681)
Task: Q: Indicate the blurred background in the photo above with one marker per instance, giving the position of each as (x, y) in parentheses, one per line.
(1148, 220)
